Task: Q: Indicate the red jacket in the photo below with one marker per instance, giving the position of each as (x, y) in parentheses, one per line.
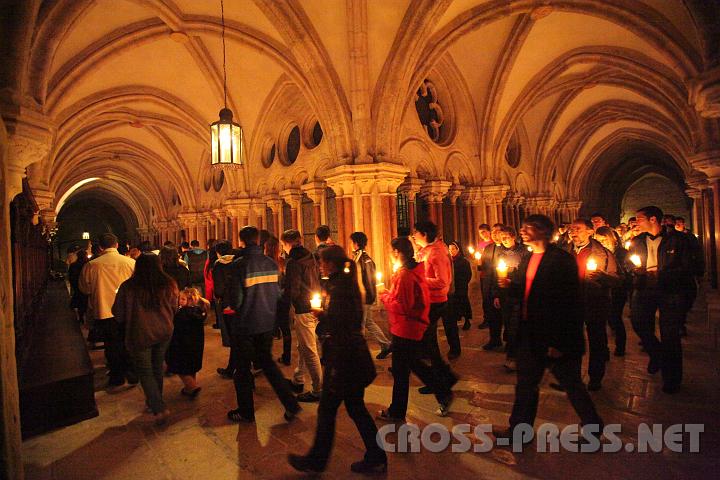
(438, 270)
(209, 284)
(408, 303)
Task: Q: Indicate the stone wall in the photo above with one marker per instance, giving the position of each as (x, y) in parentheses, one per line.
(660, 191)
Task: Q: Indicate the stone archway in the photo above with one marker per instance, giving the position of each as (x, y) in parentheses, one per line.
(658, 190)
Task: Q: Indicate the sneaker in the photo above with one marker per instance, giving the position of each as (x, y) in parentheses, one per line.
(384, 416)
(304, 463)
(162, 417)
(369, 468)
(192, 393)
(236, 416)
(443, 409)
(295, 387)
(308, 397)
(384, 352)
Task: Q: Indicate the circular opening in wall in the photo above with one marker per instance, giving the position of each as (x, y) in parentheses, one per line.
(312, 133)
(317, 133)
(291, 149)
(434, 110)
(218, 180)
(268, 152)
(207, 180)
(513, 151)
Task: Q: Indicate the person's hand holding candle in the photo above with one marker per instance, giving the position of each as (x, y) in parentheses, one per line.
(502, 274)
(316, 302)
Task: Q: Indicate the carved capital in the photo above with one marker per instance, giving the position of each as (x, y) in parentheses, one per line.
(315, 191)
(704, 93)
(707, 163)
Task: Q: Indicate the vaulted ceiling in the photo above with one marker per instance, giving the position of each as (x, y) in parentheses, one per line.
(130, 87)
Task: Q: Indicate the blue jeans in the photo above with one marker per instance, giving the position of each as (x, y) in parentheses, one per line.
(149, 368)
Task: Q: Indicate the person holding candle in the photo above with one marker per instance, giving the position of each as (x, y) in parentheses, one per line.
(458, 301)
(550, 331)
(663, 273)
(408, 307)
(301, 281)
(491, 315)
(511, 257)
(348, 367)
(698, 262)
(619, 293)
(438, 272)
(598, 274)
(368, 281)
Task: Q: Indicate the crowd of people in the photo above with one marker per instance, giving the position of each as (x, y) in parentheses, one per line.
(544, 291)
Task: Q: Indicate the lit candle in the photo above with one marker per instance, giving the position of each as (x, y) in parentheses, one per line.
(502, 269)
(478, 256)
(635, 259)
(89, 255)
(591, 265)
(471, 250)
(627, 245)
(529, 248)
(556, 238)
(379, 277)
(396, 266)
(316, 302)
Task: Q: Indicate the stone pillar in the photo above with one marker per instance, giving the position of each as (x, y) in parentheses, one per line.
(493, 196)
(258, 212)
(472, 198)
(434, 191)
(275, 205)
(354, 184)
(316, 191)
(695, 193)
(456, 214)
(293, 197)
(410, 188)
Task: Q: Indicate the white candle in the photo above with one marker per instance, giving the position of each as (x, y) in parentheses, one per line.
(316, 302)
(471, 250)
(478, 256)
(379, 277)
(502, 269)
(556, 238)
(591, 265)
(627, 245)
(635, 259)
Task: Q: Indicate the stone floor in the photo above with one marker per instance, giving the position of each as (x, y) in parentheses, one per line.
(200, 443)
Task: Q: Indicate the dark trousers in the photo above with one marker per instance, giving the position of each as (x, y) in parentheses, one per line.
(450, 319)
(530, 370)
(258, 348)
(666, 352)
(325, 434)
(619, 297)
(596, 314)
(282, 322)
(441, 370)
(510, 312)
(116, 355)
(406, 359)
(689, 299)
(491, 315)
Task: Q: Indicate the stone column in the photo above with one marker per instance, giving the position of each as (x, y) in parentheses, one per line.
(493, 196)
(695, 193)
(378, 182)
(258, 210)
(220, 216)
(293, 197)
(316, 192)
(456, 214)
(410, 188)
(239, 209)
(434, 191)
(472, 198)
(275, 205)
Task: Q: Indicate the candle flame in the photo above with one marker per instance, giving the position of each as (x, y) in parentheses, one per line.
(591, 265)
(635, 259)
(502, 266)
(478, 256)
(627, 245)
(471, 250)
(379, 276)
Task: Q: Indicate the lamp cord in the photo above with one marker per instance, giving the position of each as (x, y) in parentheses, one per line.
(222, 18)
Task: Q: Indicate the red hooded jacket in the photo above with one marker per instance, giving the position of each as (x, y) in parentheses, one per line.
(408, 303)
(438, 270)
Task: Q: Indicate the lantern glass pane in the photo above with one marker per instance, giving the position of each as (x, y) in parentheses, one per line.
(236, 145)
(214, 143)
(225, 143)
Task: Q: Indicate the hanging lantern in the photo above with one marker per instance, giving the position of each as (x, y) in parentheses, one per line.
(227, 141)
(226, 136)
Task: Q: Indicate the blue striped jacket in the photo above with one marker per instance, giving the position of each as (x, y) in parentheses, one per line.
(254, 292)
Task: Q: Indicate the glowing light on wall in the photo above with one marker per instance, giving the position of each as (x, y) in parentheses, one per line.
(72, 190)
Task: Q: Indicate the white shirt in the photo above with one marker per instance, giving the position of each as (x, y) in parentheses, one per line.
(101, 278)
(652, 248)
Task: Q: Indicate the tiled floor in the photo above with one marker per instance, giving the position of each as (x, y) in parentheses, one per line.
(199, 443)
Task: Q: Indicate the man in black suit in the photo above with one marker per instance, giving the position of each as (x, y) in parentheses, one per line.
(551, 327)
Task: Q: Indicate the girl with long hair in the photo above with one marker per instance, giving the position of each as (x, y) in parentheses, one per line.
(282, 321)
(348, 367)
(146, 304)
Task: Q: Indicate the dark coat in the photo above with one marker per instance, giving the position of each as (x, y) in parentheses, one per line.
(462, 273)
(348, 366)
(677, 262)
(78, 300)
(366, 270)
(301, 280)
(553, 315)
(180, 274)
(185, 353)
(512, 257)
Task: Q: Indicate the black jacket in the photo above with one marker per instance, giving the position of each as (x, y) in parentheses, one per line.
(301, 280)
(348, 366)
(180, 274)
(598, 290)
(462, 274)
(512, 257)
(553, 317)
(676, 262)
(366, 272)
